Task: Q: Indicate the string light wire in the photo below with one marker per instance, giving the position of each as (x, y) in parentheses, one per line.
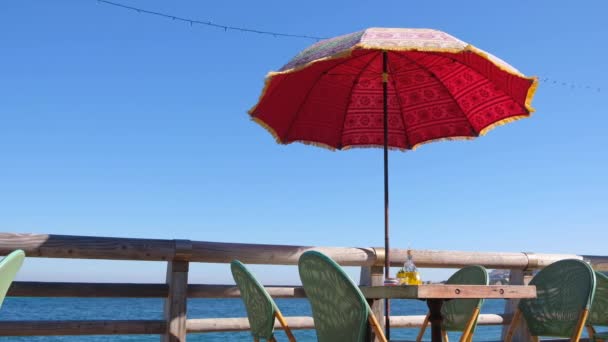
(209, 23)
(227, 28)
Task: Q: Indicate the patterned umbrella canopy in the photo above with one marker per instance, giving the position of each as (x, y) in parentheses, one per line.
(439, 87)
(392, 87)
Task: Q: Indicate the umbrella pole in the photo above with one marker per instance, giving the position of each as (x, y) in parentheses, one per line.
(387, 305)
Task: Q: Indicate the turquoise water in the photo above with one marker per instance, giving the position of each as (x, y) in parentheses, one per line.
(130, 308)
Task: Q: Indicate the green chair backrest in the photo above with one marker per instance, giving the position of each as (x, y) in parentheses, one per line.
(599, 309)
(339, 310)
(260, 306)
(8, 269)
(563, 290)
(457, 312)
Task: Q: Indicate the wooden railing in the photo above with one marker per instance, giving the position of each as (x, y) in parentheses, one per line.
(175, 289)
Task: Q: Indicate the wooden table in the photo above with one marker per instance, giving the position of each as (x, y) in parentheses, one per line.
(435, 295)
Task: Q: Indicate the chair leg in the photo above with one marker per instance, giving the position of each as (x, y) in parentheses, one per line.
(272, 339)
(444, 334)
(535, 339)
(580, 325)
(283, 323)
(377, 329)
(511, 330)
(591, 332)
(468, 330)
(255, 339)
(423, 328)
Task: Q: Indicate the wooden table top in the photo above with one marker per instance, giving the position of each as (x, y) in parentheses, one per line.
(438, 291)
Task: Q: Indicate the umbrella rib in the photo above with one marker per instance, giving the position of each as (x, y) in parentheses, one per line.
(473, 130)
(472, 67)
(350, 95)
(401, 111)
(507, 92)
(321, 74)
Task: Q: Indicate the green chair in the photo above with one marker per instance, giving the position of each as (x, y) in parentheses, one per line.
(339, 309)
(8, 269)
(599, 310)
(564, 293)
(461, 314)
(261, 309)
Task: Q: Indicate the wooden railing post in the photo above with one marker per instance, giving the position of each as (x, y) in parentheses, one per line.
(517, 277)
(374, 276)
(175, 311)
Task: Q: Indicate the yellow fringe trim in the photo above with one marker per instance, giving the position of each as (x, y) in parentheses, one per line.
(504, 67)
(502, 122)
(464, 137)
(279, 141)
(392, 148)
(348, 52)
(266, 85)
(268, 128)
(531, 92)
(343, 54)
(314, 143)
(512, 71)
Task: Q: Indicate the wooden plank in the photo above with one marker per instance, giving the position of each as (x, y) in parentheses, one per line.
(126, 290)
(415, 321)
(63, 289)
(303, 323)
(449, 291)
(376, 292)
(459, 259)
(599, 263)
(517, 277)
(231, 291)
(87, 247)
(242, 324)
(277, 254)
(137, 290)
(176, 303)
(91, 247)
(476, 291)
(136, 327)
(374, 276)
(347, 256)
(56, 328)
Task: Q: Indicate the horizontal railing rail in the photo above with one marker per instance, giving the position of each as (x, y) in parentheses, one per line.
(78, 327)
(196, 325)
(132, 290)
(89, 247)
(176, 290)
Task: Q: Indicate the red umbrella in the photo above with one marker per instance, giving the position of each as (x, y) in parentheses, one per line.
(391, 87)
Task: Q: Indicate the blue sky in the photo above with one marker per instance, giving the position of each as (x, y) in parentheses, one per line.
(114, 123)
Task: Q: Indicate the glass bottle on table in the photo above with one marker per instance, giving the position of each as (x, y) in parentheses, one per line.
(410, 275)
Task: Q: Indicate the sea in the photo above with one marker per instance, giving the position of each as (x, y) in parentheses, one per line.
(23, 308)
